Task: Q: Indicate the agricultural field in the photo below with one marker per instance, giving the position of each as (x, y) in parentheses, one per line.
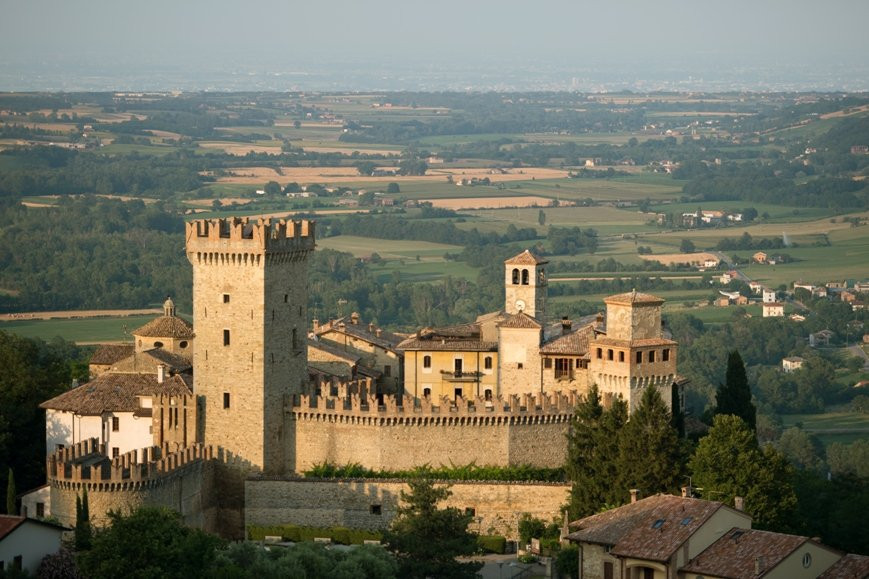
(386, 248)
(79, 330)
(830, 427)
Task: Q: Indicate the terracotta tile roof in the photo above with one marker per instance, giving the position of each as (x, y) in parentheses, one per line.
(574, 343)
(112, 392)
(645, 343)
(633, 297)
(525, 258)
(736, 552)
(520, 320)
(166, 327)
(9, 523)
(146, 362)
(108, 354)
(652, 528)
(334, 350)
(848, 567)
(386, 340)
(448, 345)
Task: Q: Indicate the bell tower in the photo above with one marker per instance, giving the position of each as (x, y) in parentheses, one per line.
(250, 310)
(525, 285)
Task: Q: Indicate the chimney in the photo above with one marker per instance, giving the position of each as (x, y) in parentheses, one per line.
(739, 503)
(634, 495)
(758, 565)
(684, 492)
(566, 324)
(370, 327)
(315, 323)
(598, 321)
(161, 373)
(354, 318)
(378, 332)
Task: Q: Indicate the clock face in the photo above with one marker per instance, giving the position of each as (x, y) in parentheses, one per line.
(520, 305)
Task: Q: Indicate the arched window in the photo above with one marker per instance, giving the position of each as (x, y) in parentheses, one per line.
(487, 362)
(515, 276)
(488, 394)
(524, 277)
(426, 393)
(426, 361)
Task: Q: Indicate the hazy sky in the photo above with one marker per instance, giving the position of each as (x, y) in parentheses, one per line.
(440, 33)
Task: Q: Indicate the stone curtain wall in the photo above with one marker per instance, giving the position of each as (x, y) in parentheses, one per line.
(521, 430)
(353, 503)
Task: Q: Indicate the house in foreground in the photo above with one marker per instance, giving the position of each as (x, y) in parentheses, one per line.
(25, 542)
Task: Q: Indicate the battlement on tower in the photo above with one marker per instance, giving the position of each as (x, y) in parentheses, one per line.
(241, 235)
(86, 462)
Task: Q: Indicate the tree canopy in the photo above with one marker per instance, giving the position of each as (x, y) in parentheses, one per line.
(426, 540)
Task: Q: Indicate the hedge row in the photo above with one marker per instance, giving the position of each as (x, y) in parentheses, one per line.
(296, 534)
(492, 543)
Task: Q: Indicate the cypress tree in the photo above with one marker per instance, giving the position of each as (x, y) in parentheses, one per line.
(734, 396)
(82, 533)
(592, 444)
(10, 494)
(649, 453)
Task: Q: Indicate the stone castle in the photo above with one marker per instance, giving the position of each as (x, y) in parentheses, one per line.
(219, 424)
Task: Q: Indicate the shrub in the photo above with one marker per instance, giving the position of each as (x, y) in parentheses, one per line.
(492, 543)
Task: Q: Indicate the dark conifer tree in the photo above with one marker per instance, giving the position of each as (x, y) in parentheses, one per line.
(734, 396)
(649, 454)
(592, 444)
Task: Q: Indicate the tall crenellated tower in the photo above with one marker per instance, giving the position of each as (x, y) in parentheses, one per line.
(250, 312)
(634, 353)
(525, 285)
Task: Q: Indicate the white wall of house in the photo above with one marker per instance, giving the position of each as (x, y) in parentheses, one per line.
(30, 503)
(31, 541)
(133, 432)
(67, 428)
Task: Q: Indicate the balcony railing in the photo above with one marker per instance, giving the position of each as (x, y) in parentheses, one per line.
(452, 376)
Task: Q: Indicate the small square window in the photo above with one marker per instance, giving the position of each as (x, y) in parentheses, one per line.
(376, 509)
(520, 365)
(547, 363)
(226, 298)
(470, 512)
(226, 400)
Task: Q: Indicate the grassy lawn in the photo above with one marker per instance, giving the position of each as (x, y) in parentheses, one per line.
(424, 270)
(78, 330)
(606, 220)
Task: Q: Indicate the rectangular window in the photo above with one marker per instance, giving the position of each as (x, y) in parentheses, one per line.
(286, 298)
(17, 562)
(609, 354)
(457, 393)
(487, 363)
(520, 365)
(665, 354)
(639, 357)
(563, 367)
(387, 370)
(225, 337)
(116, 452)
(375, 509)
(651, 356)
(621, 356)
(226, 298)
(470, 512)
(40, 510)
(426, 361)
(600, 353)
(457, 367)
(547, 363)
(226, 400)
(116, 424)
(607, 570)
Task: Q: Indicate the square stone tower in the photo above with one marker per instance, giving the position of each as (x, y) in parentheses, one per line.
(250, 311)
(634, 353)
(525, 285)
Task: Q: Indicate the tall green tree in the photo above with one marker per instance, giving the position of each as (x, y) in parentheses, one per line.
(10, 494)
(83, 533)
(728, 463)
(147, 543)
(734, 396)
(426, 540)
(591, 446)
(649, 456)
